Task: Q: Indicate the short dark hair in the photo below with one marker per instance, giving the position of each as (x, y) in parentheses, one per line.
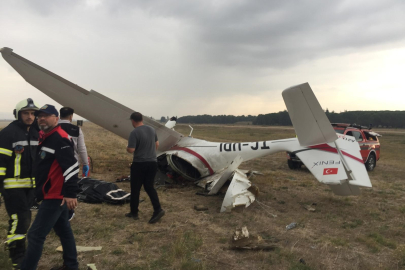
(66, 111)
(136, 116)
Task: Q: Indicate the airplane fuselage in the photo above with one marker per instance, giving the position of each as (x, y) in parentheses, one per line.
(211, 157)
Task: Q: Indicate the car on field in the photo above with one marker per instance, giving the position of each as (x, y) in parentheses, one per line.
(367, 139)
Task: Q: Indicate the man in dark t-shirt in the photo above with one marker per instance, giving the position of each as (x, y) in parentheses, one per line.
(143, 143)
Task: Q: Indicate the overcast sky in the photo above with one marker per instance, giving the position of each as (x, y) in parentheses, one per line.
(174, 57)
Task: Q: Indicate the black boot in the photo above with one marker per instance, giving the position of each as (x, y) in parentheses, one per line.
(156, 216)
(16, 250)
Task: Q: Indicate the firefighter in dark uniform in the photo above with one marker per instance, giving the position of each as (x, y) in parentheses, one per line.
(18, 147)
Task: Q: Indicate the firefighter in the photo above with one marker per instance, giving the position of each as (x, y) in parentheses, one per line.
(18, 145)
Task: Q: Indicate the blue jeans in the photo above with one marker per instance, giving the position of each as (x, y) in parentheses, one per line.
(50, 215)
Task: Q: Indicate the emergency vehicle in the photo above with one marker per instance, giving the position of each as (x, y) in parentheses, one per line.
(367, 139)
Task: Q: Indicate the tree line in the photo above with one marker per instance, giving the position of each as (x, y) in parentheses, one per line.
(215, 119)
(394, 119)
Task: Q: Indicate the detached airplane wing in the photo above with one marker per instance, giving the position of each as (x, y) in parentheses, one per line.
(88, 104)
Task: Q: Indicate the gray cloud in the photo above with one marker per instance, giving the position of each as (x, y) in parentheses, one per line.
(263, 34)
(274, 34)
(193, 49)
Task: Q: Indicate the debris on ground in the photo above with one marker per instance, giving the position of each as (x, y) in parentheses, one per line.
(171, 180)
(243, 240)
(80, 248)
(291, 226)
(250, 173)
(200, 207)
(162, 179)
(123, 178)
(91, 266)
(309, 208)
(241, 234)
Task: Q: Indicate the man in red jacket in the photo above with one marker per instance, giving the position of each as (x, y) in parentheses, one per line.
(56, 185)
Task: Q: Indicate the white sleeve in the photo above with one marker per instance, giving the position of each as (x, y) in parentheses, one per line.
(81, 148)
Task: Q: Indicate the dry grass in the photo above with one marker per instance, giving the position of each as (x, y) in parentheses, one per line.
(365, 232)
(4, 123)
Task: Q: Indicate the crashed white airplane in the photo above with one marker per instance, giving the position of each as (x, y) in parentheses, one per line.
(212, 163)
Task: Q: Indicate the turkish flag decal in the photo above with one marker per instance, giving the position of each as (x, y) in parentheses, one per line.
(328, 171)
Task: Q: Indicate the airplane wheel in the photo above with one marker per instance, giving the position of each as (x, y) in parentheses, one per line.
(293, 165)
(370, 163)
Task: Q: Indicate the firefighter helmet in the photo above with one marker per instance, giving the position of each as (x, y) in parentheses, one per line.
(24, 105)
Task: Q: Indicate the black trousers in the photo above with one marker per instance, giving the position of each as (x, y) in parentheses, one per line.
(18, 202)
(143, 173)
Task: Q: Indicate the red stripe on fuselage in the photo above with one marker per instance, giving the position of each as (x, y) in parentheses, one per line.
(326, 147)
(353, 157)
(196, 155)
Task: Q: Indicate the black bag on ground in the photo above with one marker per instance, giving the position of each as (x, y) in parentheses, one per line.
(98, 191)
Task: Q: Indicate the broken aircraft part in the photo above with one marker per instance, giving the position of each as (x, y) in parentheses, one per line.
(238, 193)
(216, 185)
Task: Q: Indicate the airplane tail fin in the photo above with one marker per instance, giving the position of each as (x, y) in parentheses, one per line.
(309, 120)
(334, 160)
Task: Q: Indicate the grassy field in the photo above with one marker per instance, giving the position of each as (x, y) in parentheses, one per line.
(365, 232)
(4, 123)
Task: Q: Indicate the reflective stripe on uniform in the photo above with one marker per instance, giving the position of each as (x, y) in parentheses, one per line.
(22, 143)
(6, 152)
(14, 237)
(3, 170)
(49, 150)
(14, 217)
(71, 174)
(19, 183)
(17, 165)
(71, 168)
